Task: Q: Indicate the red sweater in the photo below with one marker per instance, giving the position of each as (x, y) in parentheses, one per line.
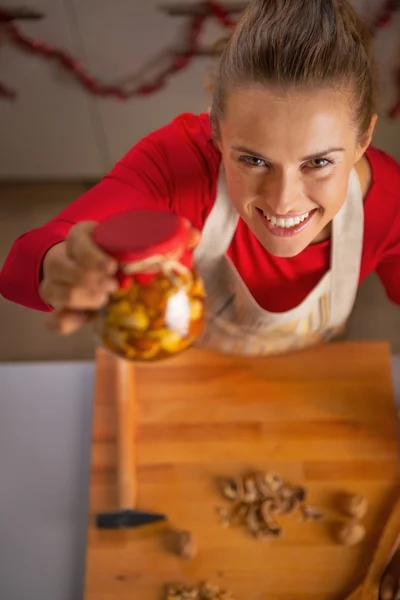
(176, 168)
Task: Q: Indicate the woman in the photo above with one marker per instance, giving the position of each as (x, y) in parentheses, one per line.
(293, 206)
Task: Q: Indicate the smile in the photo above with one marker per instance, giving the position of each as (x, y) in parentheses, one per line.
(286, 226)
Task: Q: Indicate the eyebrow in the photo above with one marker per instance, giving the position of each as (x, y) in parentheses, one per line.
(315, 155)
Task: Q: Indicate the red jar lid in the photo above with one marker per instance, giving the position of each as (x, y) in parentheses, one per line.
(139, 234)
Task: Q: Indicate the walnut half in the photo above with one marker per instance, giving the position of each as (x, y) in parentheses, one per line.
(355, 505)
(181, 543)
(351, 534)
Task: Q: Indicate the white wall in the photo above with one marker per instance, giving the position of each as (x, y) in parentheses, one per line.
(57, 130)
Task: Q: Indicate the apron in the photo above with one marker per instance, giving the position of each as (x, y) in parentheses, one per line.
(237, 324)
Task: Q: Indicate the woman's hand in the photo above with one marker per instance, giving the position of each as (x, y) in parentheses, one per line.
(77, 279)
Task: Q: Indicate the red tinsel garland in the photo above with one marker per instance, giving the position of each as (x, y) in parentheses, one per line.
(385, 16)
(6, 92)
(177, 62)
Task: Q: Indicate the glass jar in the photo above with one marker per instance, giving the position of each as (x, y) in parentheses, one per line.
(159, 307)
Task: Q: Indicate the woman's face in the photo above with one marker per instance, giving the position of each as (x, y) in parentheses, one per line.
(288, 159)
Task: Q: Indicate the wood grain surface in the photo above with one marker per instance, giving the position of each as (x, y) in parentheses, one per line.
(324, 418)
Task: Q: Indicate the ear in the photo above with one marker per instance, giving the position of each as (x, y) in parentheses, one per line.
(215, 132)
(367, 137)
(216, 138)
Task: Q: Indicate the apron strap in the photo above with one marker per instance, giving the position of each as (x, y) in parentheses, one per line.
(347, 240)
(219, 228)
(210, 254)
(232, 309)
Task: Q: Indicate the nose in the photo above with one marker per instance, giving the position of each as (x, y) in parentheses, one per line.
(283, 194)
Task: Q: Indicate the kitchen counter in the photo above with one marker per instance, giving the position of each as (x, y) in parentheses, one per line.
(45, 420)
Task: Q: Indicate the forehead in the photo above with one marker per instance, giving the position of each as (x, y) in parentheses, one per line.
(293, 122)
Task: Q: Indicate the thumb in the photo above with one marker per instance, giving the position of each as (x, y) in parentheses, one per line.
(194, 238)
(66, 322)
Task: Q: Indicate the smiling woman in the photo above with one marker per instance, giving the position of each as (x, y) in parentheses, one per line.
(305, 78)
(293, 204)
(292, 163)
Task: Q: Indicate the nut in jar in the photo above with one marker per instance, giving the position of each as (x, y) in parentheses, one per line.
(159, 307)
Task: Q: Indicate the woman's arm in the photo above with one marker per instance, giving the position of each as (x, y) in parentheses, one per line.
(388, 268)
(162, 171)
(121, 190)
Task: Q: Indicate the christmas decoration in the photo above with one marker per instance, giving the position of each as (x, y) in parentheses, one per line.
(386, 15)
(6, 92)
(178, 60)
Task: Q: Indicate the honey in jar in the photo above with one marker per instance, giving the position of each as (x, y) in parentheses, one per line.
(159, 307)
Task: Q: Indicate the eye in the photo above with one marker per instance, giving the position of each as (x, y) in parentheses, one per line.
(319, 163)
(252, 161)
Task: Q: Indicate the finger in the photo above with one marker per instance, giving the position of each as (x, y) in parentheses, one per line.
(67, 322)
(65, 270)
(61, 296)
(82, 249)
(194, 239)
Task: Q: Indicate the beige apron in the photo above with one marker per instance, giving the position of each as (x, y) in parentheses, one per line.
(236, 324)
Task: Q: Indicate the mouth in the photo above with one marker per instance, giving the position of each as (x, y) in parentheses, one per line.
(286, 226)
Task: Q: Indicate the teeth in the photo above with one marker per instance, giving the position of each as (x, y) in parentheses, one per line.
(287, 223)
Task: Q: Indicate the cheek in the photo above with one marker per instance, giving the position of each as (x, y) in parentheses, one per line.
(242, 188)
(236, 185)
(331, 196)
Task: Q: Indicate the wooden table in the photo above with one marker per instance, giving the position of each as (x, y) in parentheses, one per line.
(324, 418)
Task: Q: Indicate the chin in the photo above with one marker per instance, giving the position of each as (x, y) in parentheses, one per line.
(284, 249)
(281, 246)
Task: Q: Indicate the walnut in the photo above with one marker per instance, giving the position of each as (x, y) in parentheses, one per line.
(271, 527)
(230, 488)
(268, 483)
(351, 534)
(250, 492)
(208, 591)
(273, 481)
(174, 591)
(310, 513)
(254, 520)
(224, 516)
(355, 505)
(203, 591)
(186, 546)
(239, 513)
(300, 493)
(257, 498)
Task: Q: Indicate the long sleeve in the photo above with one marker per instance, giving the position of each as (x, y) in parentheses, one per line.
(165, 171)
(389, 270)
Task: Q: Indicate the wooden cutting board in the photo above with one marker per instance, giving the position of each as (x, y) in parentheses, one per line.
(324, 418)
